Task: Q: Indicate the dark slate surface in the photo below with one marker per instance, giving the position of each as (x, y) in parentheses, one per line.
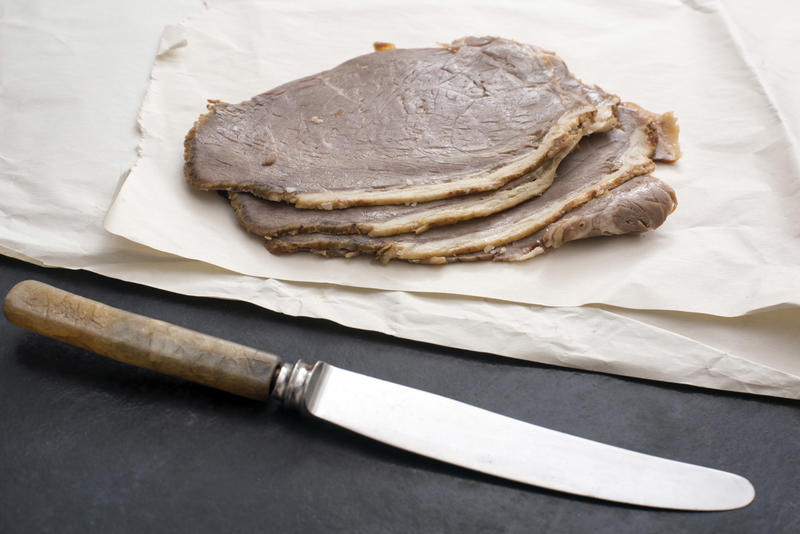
(92, 445)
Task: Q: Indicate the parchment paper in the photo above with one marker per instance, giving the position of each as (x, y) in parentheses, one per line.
(731, 247)
(65, 88)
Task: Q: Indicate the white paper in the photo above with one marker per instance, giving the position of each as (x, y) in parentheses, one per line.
(63, 90)
(730, 248)
(593, 339)
(767, 35)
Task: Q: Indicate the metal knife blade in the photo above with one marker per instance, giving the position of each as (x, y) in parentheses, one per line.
(413, 420)
(464, 435)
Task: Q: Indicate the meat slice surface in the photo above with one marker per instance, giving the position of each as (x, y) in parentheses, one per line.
(271, 218)
(637, 206)
(268, 218)
(397, 126)
(603, 162)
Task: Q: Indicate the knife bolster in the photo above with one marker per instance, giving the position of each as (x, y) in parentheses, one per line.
(291, 383)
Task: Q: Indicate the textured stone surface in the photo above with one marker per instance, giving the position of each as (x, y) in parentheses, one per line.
(91, 445)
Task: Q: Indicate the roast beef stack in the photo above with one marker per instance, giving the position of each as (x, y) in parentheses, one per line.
(484, 149)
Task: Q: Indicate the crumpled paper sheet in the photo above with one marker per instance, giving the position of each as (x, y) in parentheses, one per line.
(725, 251)
(766, 33)
(52, 210)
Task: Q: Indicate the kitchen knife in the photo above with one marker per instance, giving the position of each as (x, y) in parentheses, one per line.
(413, 420)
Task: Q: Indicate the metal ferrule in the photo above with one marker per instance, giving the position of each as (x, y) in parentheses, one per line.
(291, 383)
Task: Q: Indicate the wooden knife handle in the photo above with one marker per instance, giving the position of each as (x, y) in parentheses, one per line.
(140, 340)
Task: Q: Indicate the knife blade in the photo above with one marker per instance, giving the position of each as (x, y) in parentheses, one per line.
(420, 422)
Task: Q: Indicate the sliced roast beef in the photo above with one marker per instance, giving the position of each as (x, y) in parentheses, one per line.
(268, 218)
(640, 204)
(398, 126)
(603, 162)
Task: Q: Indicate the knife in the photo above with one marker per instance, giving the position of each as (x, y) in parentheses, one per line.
(413, 420)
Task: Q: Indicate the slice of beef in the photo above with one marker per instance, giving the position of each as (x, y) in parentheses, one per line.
(637, 206)
(269, 219)
(602, 162)
(397, 126)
